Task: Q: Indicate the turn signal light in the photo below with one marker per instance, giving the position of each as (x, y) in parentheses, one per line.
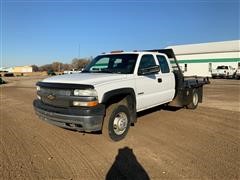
(92, 103)
(86, 104)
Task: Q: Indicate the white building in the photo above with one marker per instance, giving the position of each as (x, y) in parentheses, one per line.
(200, 59)
(17, 69)
(22, 69)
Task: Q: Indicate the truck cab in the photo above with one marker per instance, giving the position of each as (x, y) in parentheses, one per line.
(112, 88)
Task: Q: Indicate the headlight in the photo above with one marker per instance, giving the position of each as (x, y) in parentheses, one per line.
(86, 92)
(38, 88)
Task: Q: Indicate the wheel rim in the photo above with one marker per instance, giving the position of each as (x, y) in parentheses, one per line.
(120, 123)
(195, 99)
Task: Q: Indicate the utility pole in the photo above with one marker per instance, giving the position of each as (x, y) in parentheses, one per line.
(79, 51)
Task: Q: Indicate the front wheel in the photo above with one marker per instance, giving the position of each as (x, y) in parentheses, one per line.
(194, 101)
(116, 122)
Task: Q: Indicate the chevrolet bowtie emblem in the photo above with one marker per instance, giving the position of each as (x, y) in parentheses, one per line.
(51, 97)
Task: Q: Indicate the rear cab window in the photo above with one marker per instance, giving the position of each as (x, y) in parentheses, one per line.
(163, 63)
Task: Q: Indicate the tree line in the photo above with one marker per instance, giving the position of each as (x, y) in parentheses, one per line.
(77, 63)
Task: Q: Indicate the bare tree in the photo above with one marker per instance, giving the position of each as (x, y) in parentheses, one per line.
(79, 63)
(35, 68)
(57, 66)
(66, 67)
(45, 67)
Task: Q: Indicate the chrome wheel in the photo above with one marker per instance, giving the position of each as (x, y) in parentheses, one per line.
(120, 123)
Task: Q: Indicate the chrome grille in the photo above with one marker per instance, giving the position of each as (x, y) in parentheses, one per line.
(57, 102)
(61, 92)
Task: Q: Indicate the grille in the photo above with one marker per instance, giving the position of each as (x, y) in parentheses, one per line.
(57, 102)
(61, 92)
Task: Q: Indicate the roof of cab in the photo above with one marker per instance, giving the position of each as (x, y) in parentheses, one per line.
(167, 52)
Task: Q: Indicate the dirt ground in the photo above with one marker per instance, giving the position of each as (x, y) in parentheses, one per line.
(164, 144)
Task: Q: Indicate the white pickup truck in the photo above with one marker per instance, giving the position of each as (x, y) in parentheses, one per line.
(223, 72)
(109, 92)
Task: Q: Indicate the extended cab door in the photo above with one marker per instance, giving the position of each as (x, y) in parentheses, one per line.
(154, 89)
(168, 79)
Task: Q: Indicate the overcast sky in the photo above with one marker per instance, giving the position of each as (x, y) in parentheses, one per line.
(40, 32)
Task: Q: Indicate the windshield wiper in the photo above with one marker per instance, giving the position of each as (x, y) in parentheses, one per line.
(106, 71)
(102, 71)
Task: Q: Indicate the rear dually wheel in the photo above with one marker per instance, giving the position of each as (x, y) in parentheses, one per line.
(194, 101)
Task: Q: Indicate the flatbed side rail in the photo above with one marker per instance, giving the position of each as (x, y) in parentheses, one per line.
(198, 78)
(195, 81)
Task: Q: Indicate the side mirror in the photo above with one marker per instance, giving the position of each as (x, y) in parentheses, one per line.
(149, 70)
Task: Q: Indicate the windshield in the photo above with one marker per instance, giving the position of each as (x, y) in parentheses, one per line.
(112, 63)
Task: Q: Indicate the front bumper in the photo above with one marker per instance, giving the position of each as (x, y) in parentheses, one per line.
(219, 75)
(74, 118)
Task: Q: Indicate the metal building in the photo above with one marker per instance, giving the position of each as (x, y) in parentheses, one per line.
(200, 59)
(22, 69)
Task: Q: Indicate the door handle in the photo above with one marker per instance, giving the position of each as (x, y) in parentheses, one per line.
(159, 80)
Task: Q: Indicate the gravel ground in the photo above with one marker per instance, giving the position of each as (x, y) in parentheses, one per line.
(164, 144)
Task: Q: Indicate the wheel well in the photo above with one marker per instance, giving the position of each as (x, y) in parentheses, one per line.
(115, 99)
(123, 96)
(117, 95)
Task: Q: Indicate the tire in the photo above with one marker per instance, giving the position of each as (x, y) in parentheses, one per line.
(194, 101)
(116, 122)
(229, 77)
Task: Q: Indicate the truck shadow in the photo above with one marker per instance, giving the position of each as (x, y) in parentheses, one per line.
(126, 166)
(158, 108)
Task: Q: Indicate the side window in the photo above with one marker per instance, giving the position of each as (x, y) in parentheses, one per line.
(163, 64)
(147, 61)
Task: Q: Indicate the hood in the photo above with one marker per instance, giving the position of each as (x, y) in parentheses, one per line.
(85, 78)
